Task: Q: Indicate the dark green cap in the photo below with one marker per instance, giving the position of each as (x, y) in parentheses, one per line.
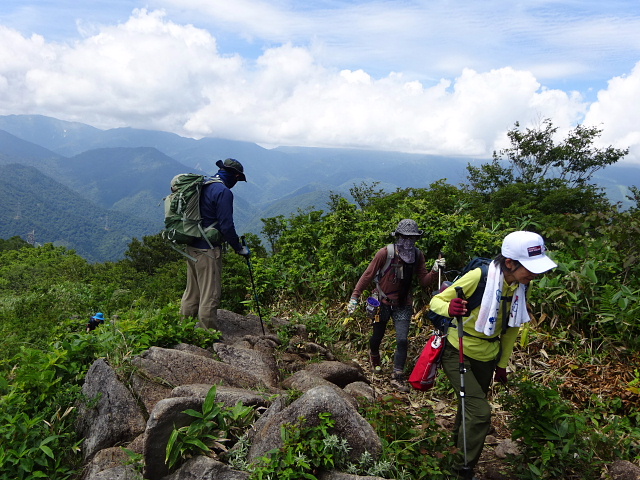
(233, 165)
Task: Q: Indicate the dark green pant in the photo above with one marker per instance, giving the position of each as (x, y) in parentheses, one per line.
(477, 380)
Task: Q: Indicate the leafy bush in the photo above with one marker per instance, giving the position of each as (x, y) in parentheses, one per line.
(553, 437)
(413, 443)
(308, 450)
(213, 431)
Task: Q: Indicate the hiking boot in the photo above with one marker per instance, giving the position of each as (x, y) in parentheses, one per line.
(376, 364)
(399, 382)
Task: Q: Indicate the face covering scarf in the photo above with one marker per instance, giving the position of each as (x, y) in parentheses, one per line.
(228, 178)
(406, 249)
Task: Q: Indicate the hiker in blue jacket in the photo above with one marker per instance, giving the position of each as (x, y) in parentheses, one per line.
(392, 269)
(202, 294)
(490, 331)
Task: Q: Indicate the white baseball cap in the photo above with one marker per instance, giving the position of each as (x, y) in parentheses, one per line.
(528, 249)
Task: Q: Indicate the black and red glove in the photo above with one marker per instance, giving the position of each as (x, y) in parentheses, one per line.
(501, 375)
(457, 307)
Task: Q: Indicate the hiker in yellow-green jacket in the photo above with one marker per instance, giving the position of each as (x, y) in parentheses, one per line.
(490, 332)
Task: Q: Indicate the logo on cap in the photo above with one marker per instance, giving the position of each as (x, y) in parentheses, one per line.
(534, 251)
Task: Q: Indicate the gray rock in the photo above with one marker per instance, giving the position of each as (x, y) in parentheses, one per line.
(506, 447)
(161, 369)
(185, 347)
(261, 364)
(305, 381)
(278, 405)
(205, 468)
(337, 372)
(227, 395)
(123, 472)
(348, 423)
(308, 350)
(149, 390)
(624, 470)
(360, 391)
(234, 326)
(166, 415)
(116, 417)
(345, 476)
(108, 459)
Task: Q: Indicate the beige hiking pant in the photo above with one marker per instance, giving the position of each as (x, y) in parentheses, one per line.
(201, 297)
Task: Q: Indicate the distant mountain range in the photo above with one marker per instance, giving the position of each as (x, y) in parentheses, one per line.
(94, 190)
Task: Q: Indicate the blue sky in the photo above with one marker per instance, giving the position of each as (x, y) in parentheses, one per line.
(438, 77)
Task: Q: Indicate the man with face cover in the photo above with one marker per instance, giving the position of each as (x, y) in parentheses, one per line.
(393, 291)
(201, 297)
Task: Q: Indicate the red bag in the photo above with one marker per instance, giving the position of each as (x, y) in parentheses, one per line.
(424, 373)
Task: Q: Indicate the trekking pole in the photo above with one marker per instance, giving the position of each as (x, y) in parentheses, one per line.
(253, 284)
(465, 469)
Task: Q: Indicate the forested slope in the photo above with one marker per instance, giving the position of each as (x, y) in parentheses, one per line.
(575, 385)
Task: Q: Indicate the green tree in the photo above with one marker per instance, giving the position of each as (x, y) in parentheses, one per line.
(538, 174)
(273, 229)
(151, 253)
(14, 243)
(534, 155)
(364, 194)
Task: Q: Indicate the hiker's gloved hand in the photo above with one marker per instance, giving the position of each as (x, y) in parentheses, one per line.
(457, 307)
(352, 305)
(244, 251)
(501, 375)
(440, 263)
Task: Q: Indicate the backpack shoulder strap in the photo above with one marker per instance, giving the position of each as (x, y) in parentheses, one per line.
(391, 253)
(475, 299)
(208, 180)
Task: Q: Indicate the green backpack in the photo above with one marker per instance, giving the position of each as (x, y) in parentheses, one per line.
(182, 220)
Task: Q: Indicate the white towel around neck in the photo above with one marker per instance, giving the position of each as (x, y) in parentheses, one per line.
(490, 306)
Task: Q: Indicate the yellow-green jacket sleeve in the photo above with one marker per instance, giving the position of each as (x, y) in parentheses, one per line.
(477, 344)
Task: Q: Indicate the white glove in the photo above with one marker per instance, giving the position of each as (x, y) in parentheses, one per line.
(439, 263)
(352, 305)
(244, 251)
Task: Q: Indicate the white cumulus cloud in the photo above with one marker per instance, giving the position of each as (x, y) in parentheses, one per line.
(152, 72)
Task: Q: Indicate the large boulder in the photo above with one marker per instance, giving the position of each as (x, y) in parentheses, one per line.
(110, 463)
(166, 415)
(624, 470)
(349, 425)
(205, 468)
(304, 381)
(227, 395)
(260, 363)
(110, 415)
(337, 372)
(362, 392)
(161, 369)
(235, 326)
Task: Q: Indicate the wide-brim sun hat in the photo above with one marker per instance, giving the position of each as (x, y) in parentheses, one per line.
(528, 249)
(408, 227)
(233, 165)
(98, 316)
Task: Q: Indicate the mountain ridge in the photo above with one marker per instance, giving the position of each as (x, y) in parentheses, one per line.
(126, 171)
